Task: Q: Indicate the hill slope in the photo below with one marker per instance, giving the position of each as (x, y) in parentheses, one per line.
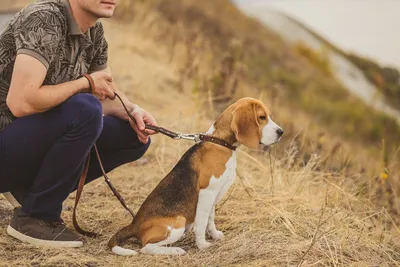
(221, 55)
(378, 87)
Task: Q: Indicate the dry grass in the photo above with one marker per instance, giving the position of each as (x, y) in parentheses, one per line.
(280, 216)
(278, 213)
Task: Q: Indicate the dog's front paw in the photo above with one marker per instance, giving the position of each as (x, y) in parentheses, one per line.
(217, 235)
(203, 245)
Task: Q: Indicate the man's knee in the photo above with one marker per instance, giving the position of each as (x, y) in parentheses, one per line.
(140, 149)
(146, 146)
(90, 113)
(88, 103)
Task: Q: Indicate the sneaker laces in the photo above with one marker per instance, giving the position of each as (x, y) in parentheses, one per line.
(56, 224)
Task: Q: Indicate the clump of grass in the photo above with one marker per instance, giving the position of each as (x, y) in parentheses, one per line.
(319, 59)
(385, 194)
(384, 78)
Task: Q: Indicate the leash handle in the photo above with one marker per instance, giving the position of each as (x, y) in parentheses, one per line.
(92, 85)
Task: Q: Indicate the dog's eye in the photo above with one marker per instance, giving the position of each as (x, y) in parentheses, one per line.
(263, 118)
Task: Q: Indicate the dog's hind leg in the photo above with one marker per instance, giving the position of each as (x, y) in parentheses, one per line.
(159, 234)
(121, 236)
(159, 249)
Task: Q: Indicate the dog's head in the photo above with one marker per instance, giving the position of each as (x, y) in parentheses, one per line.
(252, 123)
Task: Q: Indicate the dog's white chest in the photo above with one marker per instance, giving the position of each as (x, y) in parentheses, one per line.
(216, 183)
(209, 197)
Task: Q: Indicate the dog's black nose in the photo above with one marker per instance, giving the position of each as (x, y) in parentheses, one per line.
(279, 132)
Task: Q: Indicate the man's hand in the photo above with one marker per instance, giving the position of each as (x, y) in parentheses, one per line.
(142, 117)
(113, 107)
(104, 85)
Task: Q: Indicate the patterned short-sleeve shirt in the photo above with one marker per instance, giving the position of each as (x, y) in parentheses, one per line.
(48, 31)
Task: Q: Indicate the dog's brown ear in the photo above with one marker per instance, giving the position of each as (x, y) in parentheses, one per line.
(245, 125)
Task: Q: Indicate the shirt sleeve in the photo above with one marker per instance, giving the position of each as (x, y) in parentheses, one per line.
(38, 35)
(100, 58)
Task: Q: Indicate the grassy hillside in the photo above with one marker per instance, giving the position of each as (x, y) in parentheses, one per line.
(221, 55)
(244, 48)
(385, 78)
(315, 199)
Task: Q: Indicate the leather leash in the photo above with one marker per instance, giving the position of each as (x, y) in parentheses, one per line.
(82, 179)
(177, 136)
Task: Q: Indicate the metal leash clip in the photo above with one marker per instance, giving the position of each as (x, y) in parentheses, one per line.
(178, 136)
(192, 137)
(197, 138)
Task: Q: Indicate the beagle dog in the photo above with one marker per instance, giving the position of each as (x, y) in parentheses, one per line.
(185, 199)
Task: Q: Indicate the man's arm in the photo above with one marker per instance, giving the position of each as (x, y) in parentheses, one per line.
(28, 96)
(37, 39)
(36, 42)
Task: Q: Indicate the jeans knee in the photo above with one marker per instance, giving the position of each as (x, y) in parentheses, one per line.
(87, 101)
(146, 146)
(90, 112)
(140, 150)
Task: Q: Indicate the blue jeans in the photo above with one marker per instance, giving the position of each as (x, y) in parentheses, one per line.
(45, 152)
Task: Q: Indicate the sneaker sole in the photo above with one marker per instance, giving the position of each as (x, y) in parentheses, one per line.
(40, 242)
(10, 198)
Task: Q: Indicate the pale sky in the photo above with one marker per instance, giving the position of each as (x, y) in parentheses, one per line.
(368, 27)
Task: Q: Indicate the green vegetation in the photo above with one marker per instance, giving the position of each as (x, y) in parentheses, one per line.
(319, 59)
(324, 99)
(385, 79)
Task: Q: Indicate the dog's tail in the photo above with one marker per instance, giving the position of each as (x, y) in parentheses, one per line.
(119, 237)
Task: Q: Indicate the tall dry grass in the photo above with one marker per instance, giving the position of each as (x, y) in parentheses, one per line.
(275, 214)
